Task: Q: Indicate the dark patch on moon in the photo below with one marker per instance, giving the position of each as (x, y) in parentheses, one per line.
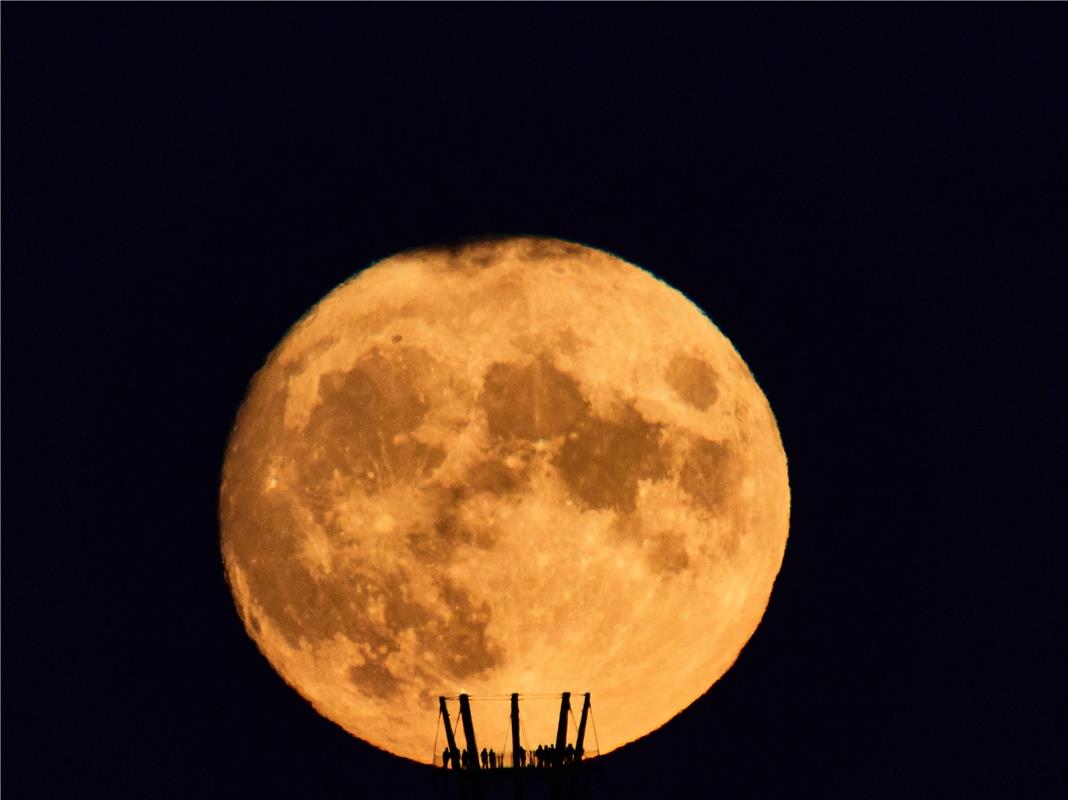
(501, 470)
(603, 463)
(373, 678)
(475, 253)
(463, 645)
(601, 460)
(707, 474)
(665, 553)
(430, 546)
(530, 401)
(301, 362)
(693, 380)
(628, 529)
(493, 476)
(465, 255)
(567, 341)
(539, 249)
(361, 427)
(437, 544)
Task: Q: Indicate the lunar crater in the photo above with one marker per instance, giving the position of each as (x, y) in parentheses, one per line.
(665, 552)
(604, 461)
(530, 401)
(708, 475)
(693, 380)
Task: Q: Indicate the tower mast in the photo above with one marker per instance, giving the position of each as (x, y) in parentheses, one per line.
(515, 729)
(454, 751)
(469, 732)
(561, 728)
(582, 726)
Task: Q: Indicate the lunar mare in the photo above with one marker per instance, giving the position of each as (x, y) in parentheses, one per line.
(514, 465)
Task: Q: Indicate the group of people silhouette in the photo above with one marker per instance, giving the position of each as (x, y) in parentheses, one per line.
(549, 756)
(545, 756)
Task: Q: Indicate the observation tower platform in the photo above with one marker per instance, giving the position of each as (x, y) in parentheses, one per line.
(517, 752)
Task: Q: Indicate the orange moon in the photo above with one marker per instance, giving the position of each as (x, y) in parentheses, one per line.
(518, 465)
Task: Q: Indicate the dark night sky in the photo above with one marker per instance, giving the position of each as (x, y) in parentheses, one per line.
(871, 201)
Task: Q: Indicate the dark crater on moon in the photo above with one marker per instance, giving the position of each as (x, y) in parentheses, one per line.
(604, 461)
(706, 474)
(531, 401)
(494, 476)
(601, 460)
(363, 423)
(436, 544)
(665, 553)
(537, 249)
(693, 380)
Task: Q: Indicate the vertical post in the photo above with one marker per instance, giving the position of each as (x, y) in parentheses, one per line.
(561, 728)
(515, 730)
(582, 727)
(454, 751)
(469, 733)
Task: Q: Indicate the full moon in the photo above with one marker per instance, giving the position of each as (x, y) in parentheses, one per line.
(514, 465)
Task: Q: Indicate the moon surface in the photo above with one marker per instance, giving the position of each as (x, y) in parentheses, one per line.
(515, 465)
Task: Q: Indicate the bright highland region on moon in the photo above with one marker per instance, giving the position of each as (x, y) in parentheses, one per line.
(517, 465)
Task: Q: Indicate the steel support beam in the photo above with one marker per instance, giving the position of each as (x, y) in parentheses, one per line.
(582, 726)
(454, 751)
(515, 730)
(561, 728)
(469, 733)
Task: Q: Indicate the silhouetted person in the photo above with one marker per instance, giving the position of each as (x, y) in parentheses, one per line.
(485, 758)
(445, 757)
(521, 757)
(539, 755)
(493, 760)
(569, 754)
